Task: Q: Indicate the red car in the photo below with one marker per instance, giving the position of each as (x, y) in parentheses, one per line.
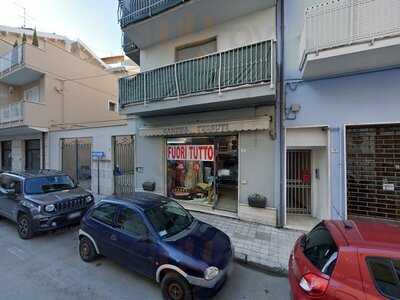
(347, 260)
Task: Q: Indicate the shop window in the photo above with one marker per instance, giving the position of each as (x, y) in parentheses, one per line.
(204, 171)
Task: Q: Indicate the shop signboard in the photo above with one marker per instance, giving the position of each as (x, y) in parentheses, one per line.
(191, 152)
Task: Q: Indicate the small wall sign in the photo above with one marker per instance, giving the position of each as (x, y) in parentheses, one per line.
(388, 187)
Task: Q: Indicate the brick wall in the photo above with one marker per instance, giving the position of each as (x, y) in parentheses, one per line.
(373, 159)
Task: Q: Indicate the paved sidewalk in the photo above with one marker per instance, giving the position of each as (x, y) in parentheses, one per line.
(265, 246)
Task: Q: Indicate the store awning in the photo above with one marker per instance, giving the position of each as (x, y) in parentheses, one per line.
(262, 123)
(20, 130)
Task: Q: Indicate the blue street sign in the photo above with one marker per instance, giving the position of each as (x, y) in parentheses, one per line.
(98, 154)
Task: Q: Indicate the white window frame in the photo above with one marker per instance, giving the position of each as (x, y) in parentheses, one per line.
(32, 94)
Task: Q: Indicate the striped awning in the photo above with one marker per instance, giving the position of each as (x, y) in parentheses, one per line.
(262, 123)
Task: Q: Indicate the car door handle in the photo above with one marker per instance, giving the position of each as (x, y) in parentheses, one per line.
(113, 237)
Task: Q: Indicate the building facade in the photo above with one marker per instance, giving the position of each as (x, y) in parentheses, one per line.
(341, 89)
(204, 105)
(57, 84)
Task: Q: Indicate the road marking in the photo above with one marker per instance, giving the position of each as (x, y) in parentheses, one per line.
(19, 253)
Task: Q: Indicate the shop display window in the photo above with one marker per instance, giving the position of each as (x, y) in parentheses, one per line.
(203, 170)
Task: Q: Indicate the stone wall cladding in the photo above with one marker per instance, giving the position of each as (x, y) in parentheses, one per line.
(373, 159)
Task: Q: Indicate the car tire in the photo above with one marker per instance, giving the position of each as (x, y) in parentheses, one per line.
(175, 287)
(87, 250)
(24, 226)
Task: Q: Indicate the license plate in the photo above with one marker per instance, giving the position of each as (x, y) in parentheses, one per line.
(74, 215)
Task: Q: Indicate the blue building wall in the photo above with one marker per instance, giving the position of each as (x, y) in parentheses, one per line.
(366, 98)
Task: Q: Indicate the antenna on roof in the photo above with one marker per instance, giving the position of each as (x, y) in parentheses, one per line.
(24, 9)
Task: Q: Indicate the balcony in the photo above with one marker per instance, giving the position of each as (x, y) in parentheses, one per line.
(150, 22)
(11, 114)
(235, 78)
(16, 67)
(130, 49)
(347, 37)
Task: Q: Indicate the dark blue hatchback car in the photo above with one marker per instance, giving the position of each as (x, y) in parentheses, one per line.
(153, 235)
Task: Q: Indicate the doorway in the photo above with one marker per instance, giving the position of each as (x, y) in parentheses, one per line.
(32, 154)
(124, 164)
(77, 160)
(6, 157)
(298, 178)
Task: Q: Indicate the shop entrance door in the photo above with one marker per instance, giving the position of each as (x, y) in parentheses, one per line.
(124, 166)
(227, 163)
(298, 193)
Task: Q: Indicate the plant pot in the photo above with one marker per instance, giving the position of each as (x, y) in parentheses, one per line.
(258, 201)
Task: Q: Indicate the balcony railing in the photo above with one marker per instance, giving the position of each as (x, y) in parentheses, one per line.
(11, 60)
(12, 112)
(246, 65)
(345, 22)
(131, 11)
(128, 45)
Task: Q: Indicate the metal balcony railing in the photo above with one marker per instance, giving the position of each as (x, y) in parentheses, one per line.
(345, 22)
(127, 44)
(131, 11)
(246, 65)
(12, 112)
(12, 59)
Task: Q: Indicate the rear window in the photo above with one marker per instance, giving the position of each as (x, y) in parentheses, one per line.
(320, 249)
(386, 275)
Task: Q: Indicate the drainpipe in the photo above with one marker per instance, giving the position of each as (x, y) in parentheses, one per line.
(43, 150)
(280, 108)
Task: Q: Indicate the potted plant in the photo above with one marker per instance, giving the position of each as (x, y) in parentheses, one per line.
(257, 200)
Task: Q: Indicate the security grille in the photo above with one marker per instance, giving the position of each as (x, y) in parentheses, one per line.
(298, 174)
(124, 166)
(77, 160)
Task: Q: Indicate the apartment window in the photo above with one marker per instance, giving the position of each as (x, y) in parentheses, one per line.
(197, 49)
(32, 94)
(112, 106)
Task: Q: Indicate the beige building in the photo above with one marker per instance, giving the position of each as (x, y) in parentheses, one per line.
(58, 85)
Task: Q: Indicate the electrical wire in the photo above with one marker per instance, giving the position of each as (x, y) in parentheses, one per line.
(65, 79)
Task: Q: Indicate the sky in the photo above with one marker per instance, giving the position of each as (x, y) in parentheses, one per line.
(95, 22)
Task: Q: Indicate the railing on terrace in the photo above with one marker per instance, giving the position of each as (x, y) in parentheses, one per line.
(345, 22)
(12, 59)
(246, 65)
(127, 44)
(12, 112)
(131, 11)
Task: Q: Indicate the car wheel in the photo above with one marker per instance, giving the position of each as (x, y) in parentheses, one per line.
(87, 251)
(175, 287)
(24, 225)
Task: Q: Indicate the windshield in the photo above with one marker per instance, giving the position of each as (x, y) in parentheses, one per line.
(169, 219)
(42, 185)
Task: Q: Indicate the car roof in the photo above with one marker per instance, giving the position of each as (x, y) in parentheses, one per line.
(139, 200)
(34, 173)
(372, 234)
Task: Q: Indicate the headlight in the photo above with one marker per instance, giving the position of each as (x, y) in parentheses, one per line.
(31, 205)
(89, 198)
(211, 273)
(50, 208)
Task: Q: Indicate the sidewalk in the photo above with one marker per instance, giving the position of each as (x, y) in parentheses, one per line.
(261, 245)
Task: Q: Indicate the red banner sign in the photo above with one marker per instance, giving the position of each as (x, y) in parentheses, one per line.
(191, 152)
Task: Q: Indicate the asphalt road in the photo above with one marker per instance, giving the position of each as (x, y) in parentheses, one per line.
(48, 267)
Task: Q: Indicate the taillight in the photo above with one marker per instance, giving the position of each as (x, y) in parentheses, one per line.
(313, 285)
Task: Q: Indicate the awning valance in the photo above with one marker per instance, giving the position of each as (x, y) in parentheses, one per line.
(262, 123)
